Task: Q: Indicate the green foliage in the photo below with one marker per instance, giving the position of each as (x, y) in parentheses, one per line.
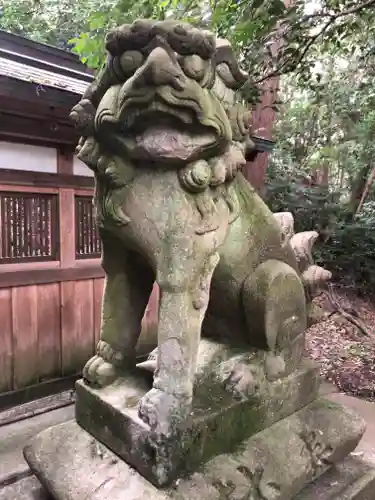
(351, 249)
(323, 158)
(299, 32)
(245, 23)
(47, 21)
(328, 132)
(316, 207)
(346, 245)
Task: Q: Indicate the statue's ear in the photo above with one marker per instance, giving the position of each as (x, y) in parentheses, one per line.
(83, 116)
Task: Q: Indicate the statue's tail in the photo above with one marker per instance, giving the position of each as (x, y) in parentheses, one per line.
(314, 278)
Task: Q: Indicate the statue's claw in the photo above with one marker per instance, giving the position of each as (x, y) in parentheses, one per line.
(100, 370)
(162, 411)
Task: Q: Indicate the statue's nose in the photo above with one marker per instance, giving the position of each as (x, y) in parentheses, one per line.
(160, 69)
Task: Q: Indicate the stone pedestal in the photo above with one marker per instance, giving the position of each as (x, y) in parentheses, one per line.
(276, 442)
(218, 423)
(275, 464)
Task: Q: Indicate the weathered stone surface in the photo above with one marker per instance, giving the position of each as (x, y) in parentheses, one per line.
(25, 489)
(165, 128)
(217, 424)
(352, 479)
(275, 464)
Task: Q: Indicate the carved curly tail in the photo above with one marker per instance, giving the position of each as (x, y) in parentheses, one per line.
(314, 278)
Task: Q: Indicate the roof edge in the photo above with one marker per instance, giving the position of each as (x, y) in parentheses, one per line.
(54, 55)
(46, 65)
(263, 145)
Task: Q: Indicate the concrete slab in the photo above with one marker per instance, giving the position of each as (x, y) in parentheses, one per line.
(353, 479)
(366, 409)
(25, 489)
(72, 465)
(36, 407)
(221, 422)
(15, 436)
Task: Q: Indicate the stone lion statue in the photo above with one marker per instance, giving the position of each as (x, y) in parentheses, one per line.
(165, 128)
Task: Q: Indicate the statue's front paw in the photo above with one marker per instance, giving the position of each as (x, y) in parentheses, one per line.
(241, 380)
(98, 372)
(162, 411)
(274, 366)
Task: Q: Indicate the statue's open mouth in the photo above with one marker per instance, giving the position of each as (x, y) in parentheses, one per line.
(162, 133)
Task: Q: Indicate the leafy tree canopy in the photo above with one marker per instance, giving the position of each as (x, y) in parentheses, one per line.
(255, 27)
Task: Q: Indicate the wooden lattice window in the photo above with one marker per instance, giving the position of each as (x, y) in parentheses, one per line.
(88, 245)
(29, 227)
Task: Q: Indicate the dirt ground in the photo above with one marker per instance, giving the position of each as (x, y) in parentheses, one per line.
(345, 355)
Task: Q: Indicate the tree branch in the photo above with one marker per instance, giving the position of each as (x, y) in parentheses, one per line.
(332, 18)
(338, 308)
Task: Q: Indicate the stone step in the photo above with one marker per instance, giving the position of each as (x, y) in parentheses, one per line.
(15, 436)
(276, 463)
(28, 488)
(351, 480)
(214, 426)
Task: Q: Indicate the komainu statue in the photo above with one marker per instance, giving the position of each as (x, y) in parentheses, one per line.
(231, 399)
(166, 132)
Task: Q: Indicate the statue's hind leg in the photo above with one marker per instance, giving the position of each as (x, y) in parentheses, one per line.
(127, 289)
(275, 308)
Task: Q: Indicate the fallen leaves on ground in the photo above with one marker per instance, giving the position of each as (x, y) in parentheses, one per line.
(346, 357)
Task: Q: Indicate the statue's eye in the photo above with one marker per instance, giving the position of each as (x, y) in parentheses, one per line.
(130, 61)
(194, 66)
(126, 64)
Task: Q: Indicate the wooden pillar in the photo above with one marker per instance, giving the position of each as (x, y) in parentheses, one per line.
(263, 119)
(64, 162)
(255, 170)
(66, 211)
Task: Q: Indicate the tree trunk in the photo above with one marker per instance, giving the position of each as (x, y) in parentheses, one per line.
(358, 187)
(366, 190)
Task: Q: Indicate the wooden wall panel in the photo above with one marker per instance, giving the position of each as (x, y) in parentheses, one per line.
(49, 331)
(77, 324)
(25, 335)
(6, 349)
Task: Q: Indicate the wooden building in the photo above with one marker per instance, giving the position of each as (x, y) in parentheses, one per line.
(51, 280)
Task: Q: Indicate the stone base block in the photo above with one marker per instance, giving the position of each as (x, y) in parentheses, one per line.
(275, 464)
(353, 479)
(28, 488)
(218, 423)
